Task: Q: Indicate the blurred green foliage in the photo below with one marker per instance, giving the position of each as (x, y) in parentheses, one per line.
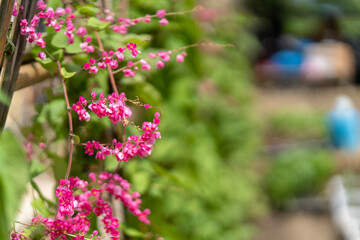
(298, 173)
(14, 174)
(307, 18)
(199, 182)
(296, 124)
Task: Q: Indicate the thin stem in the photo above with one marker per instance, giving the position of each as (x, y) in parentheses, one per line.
(70, 123)
(22, 223)
(72, 235)
(178, 50)
(124, 133)
(195, 9)
(37, 189)
(111, 74)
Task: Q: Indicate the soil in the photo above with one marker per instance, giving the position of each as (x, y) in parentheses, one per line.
(296, 226)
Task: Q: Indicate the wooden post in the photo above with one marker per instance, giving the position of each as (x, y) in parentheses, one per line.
(5, 19)
(10, 71)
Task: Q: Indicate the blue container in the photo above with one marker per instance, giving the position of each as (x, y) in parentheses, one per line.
(344, 124)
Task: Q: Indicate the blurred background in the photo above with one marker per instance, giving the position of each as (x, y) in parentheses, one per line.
(260, 140)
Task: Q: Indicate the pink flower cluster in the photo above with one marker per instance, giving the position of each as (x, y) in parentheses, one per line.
(115, 109)
(87, 41)
(124, 23)
(17, 236)
(53, 18)
(63, 18)
(113, 59)
(57, 19)
(82, 200)
(80, 109)
(141, 146)
(15, 11)
(110, 58)
(165, 57)
(67, 202)
(112, 107)
(161, 14)
(119, 187)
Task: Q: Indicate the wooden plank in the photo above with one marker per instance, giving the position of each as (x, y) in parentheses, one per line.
(31, 74)
(5, 19)
(12, 68)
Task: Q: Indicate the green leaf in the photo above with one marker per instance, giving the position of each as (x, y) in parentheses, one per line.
(45, 61)
(67, 74)
(141, 181)
(14, 174)
(110, 163)
(59, 39)
(75, 47)
(139, 39)
(55, 4)
(4, 99)
(36, 168)
(163, 172)
(39, 205)
(132, 232)
(58, 54)
(148, 93)
(34, 232)
(88, 10)
(48, 64)
(59, 165)
(37, 189)
(97, 24)
(77, 138)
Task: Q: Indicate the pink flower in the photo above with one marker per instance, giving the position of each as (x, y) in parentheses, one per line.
(164, 22)
(180, 58)
(121, 50)
(102, 65)
(131, 46)
(86, 66)
(15, 12)
(88, 39)
(93, 95)
(160, 64)
(60, 11)
(161, 13)
(120, 56)
(113, 64)
(41, 5)
(129, 73)
(90, 49)
(41, 55)
(144, 65)
(122, 29)
(42, 145)
(147, 18)
(81, 31)
(23, 22)
(93, 69)
(41, 42)
(68, 10)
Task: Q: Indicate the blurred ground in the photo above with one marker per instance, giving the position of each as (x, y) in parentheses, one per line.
(299, 225)
(296, 226)
(319, 98)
